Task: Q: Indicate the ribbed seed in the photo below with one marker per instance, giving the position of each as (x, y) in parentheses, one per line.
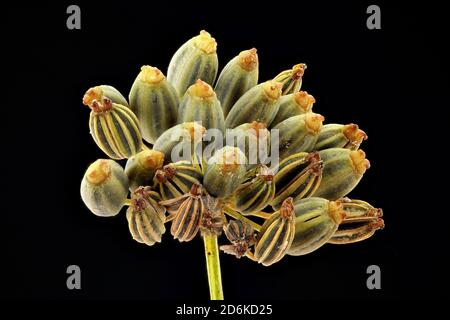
(141, 168)
(241, 236)
(297, 176)
(333, 135)
(293, 104)
(225, 171)
(115, 129)
(200, 104)
(195, 59)
(237, 77)
(146, 217)
(256, 192)
(104, 188)
(343, 169)
(276, 235)
(259, 104)
(155, 102)
(316, 220)
(291, 79)
(298, 133)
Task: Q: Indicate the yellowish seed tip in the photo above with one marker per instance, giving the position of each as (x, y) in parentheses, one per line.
(336, 211)
(98, 172)
(313, 122)
(195, 130)
(287, 208)
(230, 160)
(248, 59)
(201, 89)
(360, 163)
(298, 71)
(354, 134)
(151, 159)
(94, 93)
(272, 89)
(205, 42)
(151, 75)
(304, 101)
(259, 129)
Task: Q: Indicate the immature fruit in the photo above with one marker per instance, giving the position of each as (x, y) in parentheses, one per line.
(255, 193)
(254, 141)
(292, 78)
(225, 171)
(260, 104)
(189, 210)
(316, 220)
(98, 92)
(182, 139)
(176, 179)
(146, 217)
(115, 129)
(297, 176)
(343, 169)
(155, 102)
(276, 235)
(333, 135)
(360, 223)
(200, 104)
(242, 237)
(298, 133)
(293, 104)
(195, 59)
(141, 168)
(236, 78)
(104, 188)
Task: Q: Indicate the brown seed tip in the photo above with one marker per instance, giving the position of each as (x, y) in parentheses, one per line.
(313, 122)
(94, 93)
(248, 59)
(160, 176)
(230, 160)
(151, 75)
(98, 172)
(272, 89)
(360, 163)
(304, 101)
(354, 135)
(287, 208)
(201, 89)
(151, 159)
(101, 106)
(265, 173)
(336, 211)
(205, 42)
(196, 190)
(298, 71)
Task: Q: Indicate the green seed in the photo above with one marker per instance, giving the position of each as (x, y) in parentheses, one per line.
(141, 168)
(316, 220)
(195, 59)
(186, 135)
(298, 133)
(115, 129)
(293, 104)
(98, 92)
(343, 169)
(297, 176)
(276, 235)
(236, 78)
(104, 188)
(291, 79)
(146, 217)
(225, 171)
(200, 104)
(333, 135)
(260, 104)
(255, 193)
(155, 103)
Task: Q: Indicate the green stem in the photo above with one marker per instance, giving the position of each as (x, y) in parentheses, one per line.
(213, 267)
(239, 216)
(127, 202)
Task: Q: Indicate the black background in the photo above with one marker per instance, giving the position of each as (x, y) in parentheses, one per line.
(392, 82)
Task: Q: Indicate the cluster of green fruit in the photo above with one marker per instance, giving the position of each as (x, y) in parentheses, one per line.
(300, 200)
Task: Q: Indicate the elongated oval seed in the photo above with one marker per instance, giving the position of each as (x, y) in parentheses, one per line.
(334, 135)
(141, 168)
(293, 104)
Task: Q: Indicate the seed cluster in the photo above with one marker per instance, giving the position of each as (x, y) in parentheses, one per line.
(300, 201)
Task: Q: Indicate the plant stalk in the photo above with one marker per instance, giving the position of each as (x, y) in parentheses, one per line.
(213, 267)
